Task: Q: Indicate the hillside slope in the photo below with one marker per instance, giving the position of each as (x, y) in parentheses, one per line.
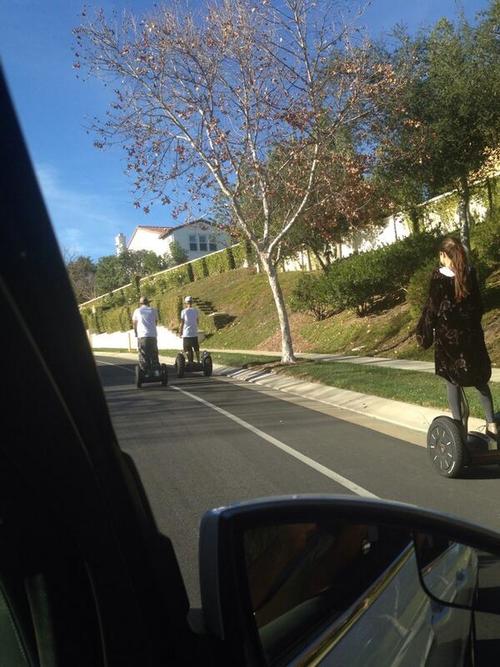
(251, 321)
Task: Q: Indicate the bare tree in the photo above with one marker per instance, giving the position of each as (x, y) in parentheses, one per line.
(205, 100)
(81, 271)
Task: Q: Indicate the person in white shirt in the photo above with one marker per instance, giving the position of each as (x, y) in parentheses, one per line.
(189, 330)
(144, 320)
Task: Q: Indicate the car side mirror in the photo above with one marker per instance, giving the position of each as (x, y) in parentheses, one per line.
(287, 579)
(458, 574)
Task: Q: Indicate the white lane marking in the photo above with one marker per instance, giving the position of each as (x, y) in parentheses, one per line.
(355, 488)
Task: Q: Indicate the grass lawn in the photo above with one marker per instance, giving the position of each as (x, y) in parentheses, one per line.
(400, 385)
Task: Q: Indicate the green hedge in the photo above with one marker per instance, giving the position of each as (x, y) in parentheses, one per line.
(361, 280)
(239, 255)
(198, 269)
(485, 240)
(217, 263)
(108, 319)
(418, 287)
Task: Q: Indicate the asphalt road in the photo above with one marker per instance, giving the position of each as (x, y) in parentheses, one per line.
(213, 441)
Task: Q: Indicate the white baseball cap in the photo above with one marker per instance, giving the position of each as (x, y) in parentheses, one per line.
(188, 299)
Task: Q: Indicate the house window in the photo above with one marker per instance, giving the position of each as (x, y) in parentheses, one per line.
(193, 245)
(212, 243)
(203, 241)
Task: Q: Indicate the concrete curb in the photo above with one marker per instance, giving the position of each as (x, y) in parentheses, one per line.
(407, 415)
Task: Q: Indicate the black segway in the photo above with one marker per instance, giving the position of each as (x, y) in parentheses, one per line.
(158, 373)
(153, 372)
(183, 365)
(452, 447)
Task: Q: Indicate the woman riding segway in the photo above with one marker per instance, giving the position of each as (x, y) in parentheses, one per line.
(451, 319)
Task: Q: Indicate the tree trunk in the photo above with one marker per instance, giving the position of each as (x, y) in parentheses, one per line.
(287, 355)
(321, 262)
(414, 216)
(463, 212)
(490, 198)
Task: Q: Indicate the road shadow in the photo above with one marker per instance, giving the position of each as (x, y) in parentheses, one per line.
(114, 375)
(482, 472)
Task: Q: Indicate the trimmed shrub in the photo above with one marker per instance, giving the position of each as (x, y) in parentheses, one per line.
(239, 255)
(199, 268)
(418, 288)
(171, 279)
(115, 319)
(130, 294)
(312, 295)
(485, 240)
(230, 259)
(170, 311)
(108, 301)
(483, 268)
(148, 289)
(189, 273)
(356, 283)
(217, 263)
(89, 320)
(362, 280)
(250, 254)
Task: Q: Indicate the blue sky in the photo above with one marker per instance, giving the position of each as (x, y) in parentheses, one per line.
(88, 196)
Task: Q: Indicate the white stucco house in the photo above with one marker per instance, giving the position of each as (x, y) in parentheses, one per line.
(394, 228)
(197, 238)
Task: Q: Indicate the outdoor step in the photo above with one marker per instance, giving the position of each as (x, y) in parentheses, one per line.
(221, 320)
(205, 306)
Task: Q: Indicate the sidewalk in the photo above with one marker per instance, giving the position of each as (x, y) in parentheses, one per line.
(407, 415)
(403, 364)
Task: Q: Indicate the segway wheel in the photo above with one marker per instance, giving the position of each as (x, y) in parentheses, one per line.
(138, 377)
(180, 365)
(207, 366)
(164, 375)
(446, 447)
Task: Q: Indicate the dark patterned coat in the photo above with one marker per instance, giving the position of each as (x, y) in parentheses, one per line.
(455, 328)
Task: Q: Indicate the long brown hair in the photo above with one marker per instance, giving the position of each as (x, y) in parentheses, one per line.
(456, 252)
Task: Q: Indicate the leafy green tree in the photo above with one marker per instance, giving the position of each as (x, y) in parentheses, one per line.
(442, 129)
(175, 255)
(110, 274)
(82, 272)
(114, 271)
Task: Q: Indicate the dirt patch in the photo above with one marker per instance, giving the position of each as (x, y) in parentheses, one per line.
(300, 344)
